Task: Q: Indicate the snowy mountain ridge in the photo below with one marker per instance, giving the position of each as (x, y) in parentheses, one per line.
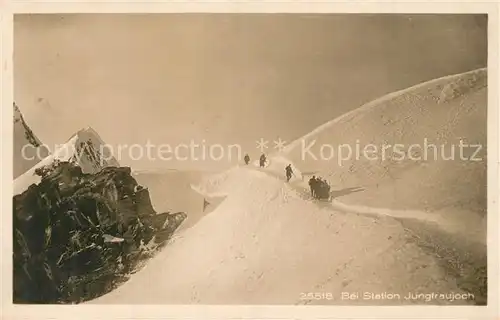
(85, 148)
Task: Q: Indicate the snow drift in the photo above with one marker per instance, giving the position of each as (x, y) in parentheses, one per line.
(429, 122)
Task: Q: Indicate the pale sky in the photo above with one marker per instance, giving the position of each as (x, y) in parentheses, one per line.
(224, 78)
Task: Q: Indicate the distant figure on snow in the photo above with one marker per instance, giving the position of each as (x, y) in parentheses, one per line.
(289, 172)
(312, 184)
(262, 160)
(247, 159)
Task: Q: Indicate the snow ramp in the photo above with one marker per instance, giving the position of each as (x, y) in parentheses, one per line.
(265, 244)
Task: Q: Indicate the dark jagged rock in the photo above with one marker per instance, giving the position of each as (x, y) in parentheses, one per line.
(62, 231)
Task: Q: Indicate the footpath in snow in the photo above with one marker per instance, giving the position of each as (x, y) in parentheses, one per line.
(265, 244)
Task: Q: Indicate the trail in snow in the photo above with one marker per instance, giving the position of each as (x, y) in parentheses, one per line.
(264, 244)
(268, 242)
(431, 229)
(302, 188)
(434, 220)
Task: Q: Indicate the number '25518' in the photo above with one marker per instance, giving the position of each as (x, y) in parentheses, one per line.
(316, 296)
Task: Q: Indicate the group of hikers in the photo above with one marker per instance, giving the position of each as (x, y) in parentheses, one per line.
(262, 164)
(320, 189)
(262, 160)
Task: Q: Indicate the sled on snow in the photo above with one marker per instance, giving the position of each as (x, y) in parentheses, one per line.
(322, 192)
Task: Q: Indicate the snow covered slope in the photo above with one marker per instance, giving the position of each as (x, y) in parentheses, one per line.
(268, 243)
(84, 148)
(426, 171)
(28, 149)
(265, 244)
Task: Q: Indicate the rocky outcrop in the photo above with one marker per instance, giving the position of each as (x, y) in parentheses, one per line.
(77, 235)
(28, 150)
(85, 149)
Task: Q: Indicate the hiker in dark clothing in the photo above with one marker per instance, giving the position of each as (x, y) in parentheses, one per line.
(262, 160)
(313, 183)
(289, 172)
(247, 159)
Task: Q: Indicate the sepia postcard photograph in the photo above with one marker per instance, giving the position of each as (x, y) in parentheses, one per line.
(251, 159)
